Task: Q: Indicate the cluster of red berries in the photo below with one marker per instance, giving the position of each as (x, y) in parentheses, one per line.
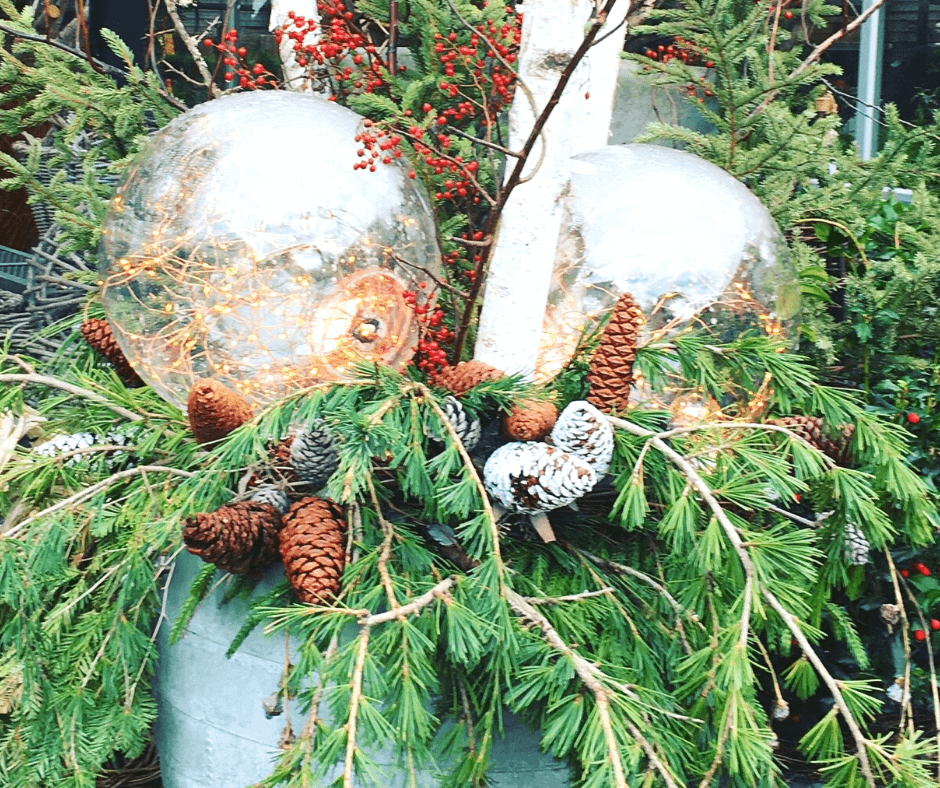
(250, 77)
(919, 634)
(377, 144)
(429, 355)
(681, 49)
(340, 40)
(920, 567)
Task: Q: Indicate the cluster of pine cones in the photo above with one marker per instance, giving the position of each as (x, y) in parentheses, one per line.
(245, 537)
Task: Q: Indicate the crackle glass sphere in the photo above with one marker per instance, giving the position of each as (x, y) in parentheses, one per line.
(245, 247)
(691, 243)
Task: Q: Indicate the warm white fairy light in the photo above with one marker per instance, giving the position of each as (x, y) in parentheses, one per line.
(223, 259)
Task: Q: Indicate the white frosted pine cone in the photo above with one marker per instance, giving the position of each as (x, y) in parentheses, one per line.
(583, 430)
(313, 455)
(467, 427)
(856, 545)
(535, 477)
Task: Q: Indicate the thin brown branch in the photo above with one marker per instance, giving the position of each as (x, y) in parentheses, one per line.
(192, 46)
(558, 600)
(355, 698)
(386, 552)
(906, 711)
(414, 606)
(817, 53)
(515, 176)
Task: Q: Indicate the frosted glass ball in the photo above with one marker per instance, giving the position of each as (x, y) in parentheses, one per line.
(691, 243)
(245, 247)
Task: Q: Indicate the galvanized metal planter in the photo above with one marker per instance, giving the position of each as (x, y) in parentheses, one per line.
(212, 731)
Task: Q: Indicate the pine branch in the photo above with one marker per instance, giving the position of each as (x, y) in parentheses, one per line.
(588, 674)
(71, 388)
(743, 553)
(355, 698)
(93, 490)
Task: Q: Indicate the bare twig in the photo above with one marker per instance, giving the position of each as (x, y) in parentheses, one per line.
(558, 600)
(386, 552)
(414, 606)
(837, 36)
(906, 711)
(355, 698)
(515, 176)
(192, 46)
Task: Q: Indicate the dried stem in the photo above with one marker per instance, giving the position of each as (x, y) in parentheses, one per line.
(558, 600)
(192, 46)
(386, 552)
(354, 700)
(906, 712)
(416, 605)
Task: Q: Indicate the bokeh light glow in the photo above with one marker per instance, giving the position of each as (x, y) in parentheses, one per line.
(243, 246)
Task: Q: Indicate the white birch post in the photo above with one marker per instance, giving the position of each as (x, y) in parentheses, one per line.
(295, 75)
(520, 270)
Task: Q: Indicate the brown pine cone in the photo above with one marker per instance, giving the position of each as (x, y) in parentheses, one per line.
(530, 421)
(239, 537)
(98, 334)
(459, 379)
(611, 374)
(215, 410)
(812, 429)
(313, 548)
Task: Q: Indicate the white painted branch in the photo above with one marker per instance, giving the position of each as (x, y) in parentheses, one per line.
(295, 75)
(520, 271)
(604, 63)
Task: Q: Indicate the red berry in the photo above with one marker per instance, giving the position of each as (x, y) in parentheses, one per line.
(913, 418)
(919, 634)
(934, 624)
(905, 573)
(924, 570)
(209, 42)
(789, 15)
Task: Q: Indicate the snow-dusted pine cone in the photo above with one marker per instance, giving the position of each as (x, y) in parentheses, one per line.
(268, 493)
(467, 427)
(462, 377)
(856, 545)
(238, 537)
(98, 334)
(63, 444)
(583, 430)
(313, 547)
(530, 421)
(813, 430)
(611, 375)
(535, 477)
(215, 410)
(314, 455)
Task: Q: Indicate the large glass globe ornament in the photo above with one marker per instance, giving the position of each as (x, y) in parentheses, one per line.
(691, 243)
(244, 246)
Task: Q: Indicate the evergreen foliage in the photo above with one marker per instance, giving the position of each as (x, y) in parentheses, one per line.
(651, 644)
